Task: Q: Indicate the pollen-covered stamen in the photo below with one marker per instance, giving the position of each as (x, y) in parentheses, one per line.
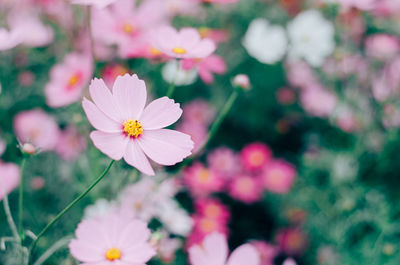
(179, 50)
(74, 80)
(128, 28)
(133, 128)
(113, 254)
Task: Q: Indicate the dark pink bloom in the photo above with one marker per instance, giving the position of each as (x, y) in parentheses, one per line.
(246, 188)
(202, 181)
(254, 156)
(278, 176)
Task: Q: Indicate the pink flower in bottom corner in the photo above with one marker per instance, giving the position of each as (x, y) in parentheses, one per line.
(214, 250)
(125, 128)
(9, 178)
(112, 239)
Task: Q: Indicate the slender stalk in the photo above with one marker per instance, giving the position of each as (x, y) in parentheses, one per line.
(66, 209)
(7, 211)
(55, 247)
(21, 201)
(172, 86)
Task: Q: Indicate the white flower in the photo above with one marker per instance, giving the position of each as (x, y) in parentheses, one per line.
(175, 219)
(182, 78)
(101, 207)
(265, 42)
(311, 37)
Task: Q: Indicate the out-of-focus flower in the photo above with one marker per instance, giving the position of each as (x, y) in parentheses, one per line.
(175, 219)
(70, 143)
(68, 79)
(187, 43)
(198, 111)
(278, 176)
(311, 45)
(100, 208)
(300, 74)
(289, 261)
(173, 73)
(242, 81)
(26, 78)
(167, 248)
(36, 127)
(110, 239)
(206, 67)
(9, 39)
(202, 181)
(212, 208)
(3, 146)
(125, 128)
(318, 101)
(267, 252)
(9, 178)
(245, 188)
(214, 250)
(360, 4)
(255, 155)
(111, 72)
(224, 161)
(37, 183)
(198, 133)
(285, 96)
(292, 241)
(95, 3)
(28, 148)
(382, 46)
(265, 42)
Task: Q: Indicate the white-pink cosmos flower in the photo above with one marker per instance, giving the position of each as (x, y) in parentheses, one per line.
(95, 3)
(214, 250)
(125, 128)
(187, 43)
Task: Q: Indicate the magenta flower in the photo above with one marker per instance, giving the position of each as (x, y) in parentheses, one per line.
(125, 128)
(214, 250)
(187, 43)
(112, 239)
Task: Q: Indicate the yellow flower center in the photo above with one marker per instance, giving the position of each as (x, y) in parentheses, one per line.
(133, 128)
(128, 28)
(73, 80)
(113, 254)
(256, 158)
(155, 51)
(212, 211)
(204, 176)
(179, 50)
(208, 225)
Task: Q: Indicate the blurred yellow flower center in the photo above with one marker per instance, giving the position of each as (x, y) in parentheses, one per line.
(208, 225)
(113, 254)
(179, 50)
(128, 28)
(212, 211)
(204, 175)
(155, 51)
(133, 128)
(256, 158)
(73, 80)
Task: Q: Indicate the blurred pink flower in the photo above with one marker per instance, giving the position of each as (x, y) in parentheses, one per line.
(285, 96)
(267, 252)
(387, 7)
(70, 143)
(214, 250)
(255, 155)
(9, 39)
(217, 35)
(37, 183)
(202, 181)
(111, 72)
(382, 46)
(360, 4)
(198, 111)
(292, 241)
(206, 67)
(245, 188)
(68, 79)
(96, 3)
(300, 74)
(36, 127)
(112, 239)
(125, 128)
(212, 208)
(186, 43)
(318, 101)
(9, 178)
(289, 261)
(224, 161)
(278, 176)
(198, 133)
(3, 146)
(217, 1)
(242, 81)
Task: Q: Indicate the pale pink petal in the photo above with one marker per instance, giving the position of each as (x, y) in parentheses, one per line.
(98, 119)
(216, 64)
(130, 95)
(104, 100)
(160, 113)
(188, 37)
(216, 246)
(197, 256)
(166, 147)
(85, 252)
(245, 254)
(134, 233)
(205, 48)
(206, 75)
(135, 157)
(113, 145)
(139, 254)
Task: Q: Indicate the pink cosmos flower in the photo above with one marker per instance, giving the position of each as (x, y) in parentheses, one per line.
(245, 188)
(111, 72)
(292, 241)
(202, 181)
(198, 111)
(112, 239)
(382, 46)
(217, 1)
(125, 128)
(36, 127)
(242, 81)
(318, 101)
(187, 43)
(212, 208)
(206, 67)
(68, 79)
(217, 35)
(96, 3)
(9, 39)
(267, 252)
(9, 178)
(70, 143)
(224, 161)
(214, 250)
(254, 156)
(278, 176)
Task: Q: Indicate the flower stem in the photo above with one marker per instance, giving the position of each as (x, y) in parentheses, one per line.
(7, 211)
(21, 201)
(172, 86)
(66, 209)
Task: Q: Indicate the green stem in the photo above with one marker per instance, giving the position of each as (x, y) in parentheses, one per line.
(66, 209)
(21, 200)
(7, 211)
(172, 86)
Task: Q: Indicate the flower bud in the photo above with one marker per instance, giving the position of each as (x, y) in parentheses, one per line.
(242, 81)
(28, 148)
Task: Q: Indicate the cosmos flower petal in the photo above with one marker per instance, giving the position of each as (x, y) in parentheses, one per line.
(215, 246)
(197, 256)
(166, 147)
(104, 100)
(98, 119)
(130, 94)
(205, 48)
(160, 113)
(189, 37)
(140, 254)
(113, 145)
(135, 157)
(85, 252)
(134, 232)
(245, 254)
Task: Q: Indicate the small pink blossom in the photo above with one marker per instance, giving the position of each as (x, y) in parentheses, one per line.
(112, 239)
(278, 176)
(68, 79)
(382, 46)
(285, 96)
(206, 67)
(242, 81)
(318, 101)
(254, 156)
(186, 43)
(217, 35)
(202, 181)
(245, 188)
(267, 252)
(214, 250)
(37, 183)
(198, 111)
(212, 208)
(198, 133)
(9, 178)
(292, 241)
(36, 127)
(204, 226)
(224, 161)
(360, 4)
(70, 143)
(126, 129)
